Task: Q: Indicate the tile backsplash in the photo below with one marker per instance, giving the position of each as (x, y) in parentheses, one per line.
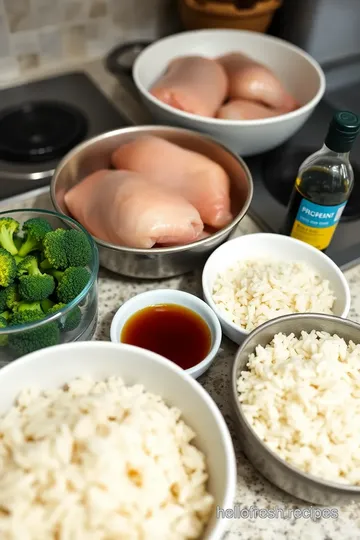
(36, 33)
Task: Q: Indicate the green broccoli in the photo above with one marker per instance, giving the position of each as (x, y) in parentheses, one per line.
(3, 298)
(18, 240)
(7, 268)
(27, 341)
(77, 247)
(64, 248)
(33, 285)
(12, 297)
(54, 250)
(3, 337)
(35, 230)
(4, 321)
(28, 306)
(71, 282)
(68, 322)
(8, 227)
(46, 304)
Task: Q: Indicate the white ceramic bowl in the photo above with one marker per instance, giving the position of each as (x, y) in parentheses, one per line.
(171, 296)
(53, 367)
(299, 72)
(275, 246)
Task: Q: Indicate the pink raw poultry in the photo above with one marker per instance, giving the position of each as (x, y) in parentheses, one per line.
(192, 84)
(125, 209)
(251, 80)
(197, 178)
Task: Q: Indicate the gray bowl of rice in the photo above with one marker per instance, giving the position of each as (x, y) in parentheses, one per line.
(296, 397)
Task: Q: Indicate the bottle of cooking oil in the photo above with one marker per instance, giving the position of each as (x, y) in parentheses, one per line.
(323, 185)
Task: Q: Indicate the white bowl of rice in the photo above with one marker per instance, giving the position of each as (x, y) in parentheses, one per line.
(296, 398)
(104, 440)
(258, 277)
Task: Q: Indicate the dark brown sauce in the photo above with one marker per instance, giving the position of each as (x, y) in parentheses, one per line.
(174, 331)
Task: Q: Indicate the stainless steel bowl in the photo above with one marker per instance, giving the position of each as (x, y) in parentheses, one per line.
(280, 473)
(155, 263)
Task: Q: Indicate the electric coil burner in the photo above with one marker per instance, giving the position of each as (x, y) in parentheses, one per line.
(274, 173)
(41, 121)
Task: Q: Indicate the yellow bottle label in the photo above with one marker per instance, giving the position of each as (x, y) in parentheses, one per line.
(315, 224)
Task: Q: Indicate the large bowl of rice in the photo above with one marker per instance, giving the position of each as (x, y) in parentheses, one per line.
(258, 277)
(105, 441)
(296, 398)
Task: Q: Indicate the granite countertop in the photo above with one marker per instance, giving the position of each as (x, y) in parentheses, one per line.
(252, 488)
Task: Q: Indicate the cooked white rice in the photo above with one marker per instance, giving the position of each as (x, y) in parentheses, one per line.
(254, 291)
(302, 397)
(99, 461)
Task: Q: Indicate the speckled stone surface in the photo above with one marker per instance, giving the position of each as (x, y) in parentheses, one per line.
(252, 489)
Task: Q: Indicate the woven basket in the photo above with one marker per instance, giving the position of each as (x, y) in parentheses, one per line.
(196, 14)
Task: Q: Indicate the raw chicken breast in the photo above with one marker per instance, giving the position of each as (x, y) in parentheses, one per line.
(125, 209)
(193, 84)
(250, 80)
(243, 109)
(201, 181)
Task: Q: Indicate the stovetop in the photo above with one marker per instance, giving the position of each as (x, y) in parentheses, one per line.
(42, 120)
(274, 175)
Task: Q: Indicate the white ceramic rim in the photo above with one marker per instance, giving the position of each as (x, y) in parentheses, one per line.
(231, 469)
(177, 296)
(218, 121)
(269, 236)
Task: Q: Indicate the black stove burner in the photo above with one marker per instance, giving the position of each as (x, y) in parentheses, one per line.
(280, 168)
(40, 131)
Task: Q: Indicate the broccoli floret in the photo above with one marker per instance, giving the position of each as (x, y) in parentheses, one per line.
(7, 268)
(12, 297)
(3, 298)
(33, 285)
(34, 288)
(29, 306)
(68, 322)
(46, 304)
(65, 248)
(18, 240)
(35, 230)
(71, 320)
(3, 337)
(28, 266)
(26, 315)
(71, 282)
(77, 247)
(4, 321)
(28, 341)
(8, 227)
(54, 250)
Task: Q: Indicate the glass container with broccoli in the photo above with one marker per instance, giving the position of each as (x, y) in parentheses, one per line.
(48, 290)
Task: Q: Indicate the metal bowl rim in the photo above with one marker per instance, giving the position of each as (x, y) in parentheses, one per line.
(242, 418)
(135, 129)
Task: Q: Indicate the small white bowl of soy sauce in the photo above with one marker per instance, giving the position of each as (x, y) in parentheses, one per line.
(177, 325)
